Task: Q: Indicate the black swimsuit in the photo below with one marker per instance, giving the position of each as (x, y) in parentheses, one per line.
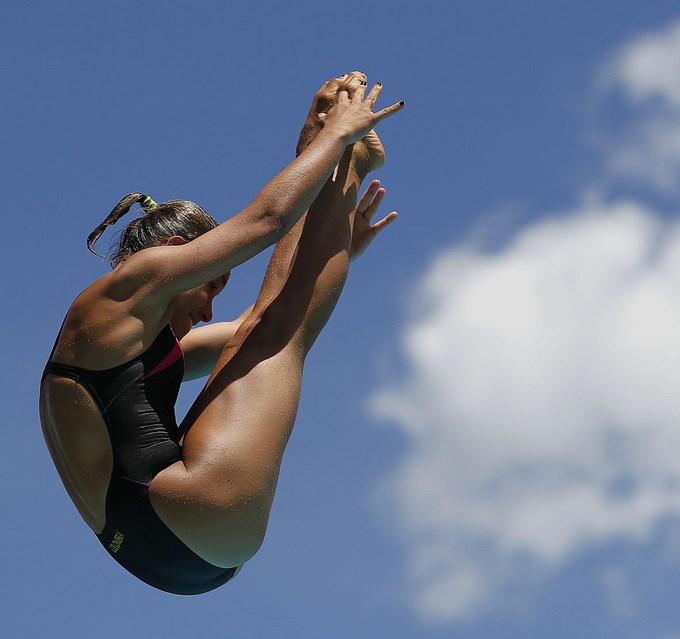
(137, 401)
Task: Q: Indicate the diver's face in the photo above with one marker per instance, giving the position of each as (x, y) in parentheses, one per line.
(195, 305)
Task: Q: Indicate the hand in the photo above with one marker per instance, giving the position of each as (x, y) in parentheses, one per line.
(363, 233)
(322, 103)
(368, 153)
(351, 116)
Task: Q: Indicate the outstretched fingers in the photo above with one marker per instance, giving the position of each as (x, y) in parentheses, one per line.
(363, 231)
(380, 226)
(353, 110)
(353, 81)
(388, 111)
(370, 201)
(360, 91)
(372, 97)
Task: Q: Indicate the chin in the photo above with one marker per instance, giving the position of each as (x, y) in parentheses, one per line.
(181, 329)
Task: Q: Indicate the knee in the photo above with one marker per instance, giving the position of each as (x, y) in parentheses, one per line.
(240, 548)
(239, 536)
(224, 525)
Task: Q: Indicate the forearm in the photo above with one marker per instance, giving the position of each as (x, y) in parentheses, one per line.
(202, 346)
(339, 191)
(166, 271)
(273, 212)
(291, 192)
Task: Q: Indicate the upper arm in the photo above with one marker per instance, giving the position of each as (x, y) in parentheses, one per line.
(202, 346)
(166, 271)
(170, 270)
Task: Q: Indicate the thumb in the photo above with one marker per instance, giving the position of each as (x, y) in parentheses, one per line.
(382, 224)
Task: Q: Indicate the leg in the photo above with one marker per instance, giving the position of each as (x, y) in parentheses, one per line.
(283, 257)
(217, 499)
(284, 253)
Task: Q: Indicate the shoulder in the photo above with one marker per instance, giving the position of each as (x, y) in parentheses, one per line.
(109, 323)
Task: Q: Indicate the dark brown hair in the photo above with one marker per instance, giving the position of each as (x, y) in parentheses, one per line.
(159, 223)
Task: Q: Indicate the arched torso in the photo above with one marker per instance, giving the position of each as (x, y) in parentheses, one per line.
(79, 444)
(98, 333)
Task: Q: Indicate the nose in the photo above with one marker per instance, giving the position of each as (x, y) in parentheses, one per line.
(206, 311)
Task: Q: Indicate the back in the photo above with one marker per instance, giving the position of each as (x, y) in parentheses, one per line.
(79, 443)
(117, 421)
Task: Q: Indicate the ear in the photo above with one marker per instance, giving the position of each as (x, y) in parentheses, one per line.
(175, 240)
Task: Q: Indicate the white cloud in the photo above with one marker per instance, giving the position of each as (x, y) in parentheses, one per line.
(650, 152)
(540, 404)
(647, 72)
(540, 397)
(648, 67)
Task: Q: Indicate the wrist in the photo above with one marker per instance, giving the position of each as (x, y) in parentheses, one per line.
(307, 136)
(336, 130)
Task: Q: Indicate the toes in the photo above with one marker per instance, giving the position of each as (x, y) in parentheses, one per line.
(328, 88)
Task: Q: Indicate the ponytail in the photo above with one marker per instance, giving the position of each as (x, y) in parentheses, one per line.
(119, 211)
(159, 223)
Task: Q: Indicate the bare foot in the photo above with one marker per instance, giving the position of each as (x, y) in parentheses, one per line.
(368, 154)
(321, 103)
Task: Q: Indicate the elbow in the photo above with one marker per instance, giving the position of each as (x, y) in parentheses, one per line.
(276, 222)
(273, 216)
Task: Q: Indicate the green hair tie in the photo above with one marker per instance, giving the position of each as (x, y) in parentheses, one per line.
(148, 203)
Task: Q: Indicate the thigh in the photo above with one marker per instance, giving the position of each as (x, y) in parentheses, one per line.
(217, 499)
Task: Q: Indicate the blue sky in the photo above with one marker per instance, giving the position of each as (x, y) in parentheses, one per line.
(487, 443)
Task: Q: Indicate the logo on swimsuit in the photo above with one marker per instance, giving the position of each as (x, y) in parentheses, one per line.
(117, 542)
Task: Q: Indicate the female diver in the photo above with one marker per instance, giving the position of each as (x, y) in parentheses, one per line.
(183, 509)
